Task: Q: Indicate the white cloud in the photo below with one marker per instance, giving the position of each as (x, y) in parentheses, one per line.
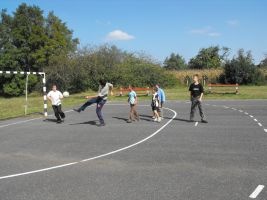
(205, 31)
(119, 35)
(233, 22)
(214, 34)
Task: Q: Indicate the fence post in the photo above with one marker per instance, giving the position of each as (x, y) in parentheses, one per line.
(147, 92)
(236, 88)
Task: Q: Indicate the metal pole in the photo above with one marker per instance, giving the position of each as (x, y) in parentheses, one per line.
(26, 95)
(44, 93)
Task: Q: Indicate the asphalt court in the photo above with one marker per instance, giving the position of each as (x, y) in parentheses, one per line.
(174, 159)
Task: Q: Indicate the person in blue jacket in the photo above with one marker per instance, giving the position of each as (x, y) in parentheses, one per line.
(162, 99)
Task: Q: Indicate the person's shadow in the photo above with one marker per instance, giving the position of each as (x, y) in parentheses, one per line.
(50, 120)
(93, 123)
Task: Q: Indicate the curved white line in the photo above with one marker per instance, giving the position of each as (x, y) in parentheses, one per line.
(96, 157)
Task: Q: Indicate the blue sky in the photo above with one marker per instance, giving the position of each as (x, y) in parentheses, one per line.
(160, 27)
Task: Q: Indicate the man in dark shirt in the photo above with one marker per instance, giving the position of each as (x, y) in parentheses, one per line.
(196, 94)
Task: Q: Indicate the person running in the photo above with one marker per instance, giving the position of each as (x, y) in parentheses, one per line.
(55, 97)
(155, 105)
(132, 100)
(196, 95)
(162, 99)
(100, 100)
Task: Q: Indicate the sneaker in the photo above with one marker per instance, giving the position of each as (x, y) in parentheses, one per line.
(204, 121)
(137, 119)
(77, 110)
(129, 121)
(102, 124)
(159, 119)
(59, 121)
(155, 119)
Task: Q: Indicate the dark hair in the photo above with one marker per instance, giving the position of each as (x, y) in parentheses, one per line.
(102, 82)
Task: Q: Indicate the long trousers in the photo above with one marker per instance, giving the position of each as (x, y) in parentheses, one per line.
(88, 103)
(133, 113)
(194, 104)
(99, 113)
(58, 112)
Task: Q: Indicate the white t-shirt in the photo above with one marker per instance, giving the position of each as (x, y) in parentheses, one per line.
(103, 91)
(55, 96)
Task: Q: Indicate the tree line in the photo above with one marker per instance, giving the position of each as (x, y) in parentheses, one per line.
(240, 69)
(31, 41)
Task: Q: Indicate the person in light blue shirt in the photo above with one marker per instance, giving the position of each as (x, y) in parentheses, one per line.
(162, 99)
(132, 100)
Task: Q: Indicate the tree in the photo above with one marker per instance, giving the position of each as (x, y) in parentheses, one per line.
(175, 62)
(242, 70)
(208, 58)
(263, 63)
(28, 41)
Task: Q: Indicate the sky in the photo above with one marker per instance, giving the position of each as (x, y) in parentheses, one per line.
(161, 27)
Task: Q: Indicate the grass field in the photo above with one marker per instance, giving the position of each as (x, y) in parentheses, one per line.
(15, 107)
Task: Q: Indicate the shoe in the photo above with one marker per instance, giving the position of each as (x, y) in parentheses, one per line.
(129, 121)
(137, 119)
(155, 119)
(77, 110)
(204, 121)
(102, 124)
(159, 119)
(59, 121)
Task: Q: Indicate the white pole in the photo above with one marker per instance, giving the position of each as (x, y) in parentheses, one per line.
(26, 94)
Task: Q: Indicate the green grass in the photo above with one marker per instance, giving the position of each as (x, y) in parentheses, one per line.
(14, 107)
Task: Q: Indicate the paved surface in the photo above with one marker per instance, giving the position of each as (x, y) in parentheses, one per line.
(223, 160)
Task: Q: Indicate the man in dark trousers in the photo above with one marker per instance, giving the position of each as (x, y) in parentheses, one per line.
(55, 97)
(196, 95)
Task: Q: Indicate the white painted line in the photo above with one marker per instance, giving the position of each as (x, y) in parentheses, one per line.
(214, 105)
(196, 123)
(265, 130)
(259, 124)
(37, 171)
(256, 192)
(226, 107)
(251, 116)
(96, 157)
(255, 120)
(241, 111)
(207, 104)
(19, 122)
(233, 108)
(245, 113)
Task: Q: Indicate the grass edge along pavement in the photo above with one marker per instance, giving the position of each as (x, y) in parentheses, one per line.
(14, 107)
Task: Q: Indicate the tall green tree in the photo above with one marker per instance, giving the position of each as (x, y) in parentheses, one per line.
(242, 70)
(207, 58)
(28, 41)
(175, 62)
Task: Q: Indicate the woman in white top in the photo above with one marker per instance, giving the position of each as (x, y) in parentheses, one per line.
(55, 97)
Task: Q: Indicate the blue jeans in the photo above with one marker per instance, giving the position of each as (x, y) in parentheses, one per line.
(99, 107)
(88, 103)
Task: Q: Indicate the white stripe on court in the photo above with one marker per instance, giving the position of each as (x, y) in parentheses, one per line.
(256, 192)
(259, 124)
(255, 120)
(251, 116)
(246, 113)
(265, 130)
(19, 122)
(196, 123)
(96, 157)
